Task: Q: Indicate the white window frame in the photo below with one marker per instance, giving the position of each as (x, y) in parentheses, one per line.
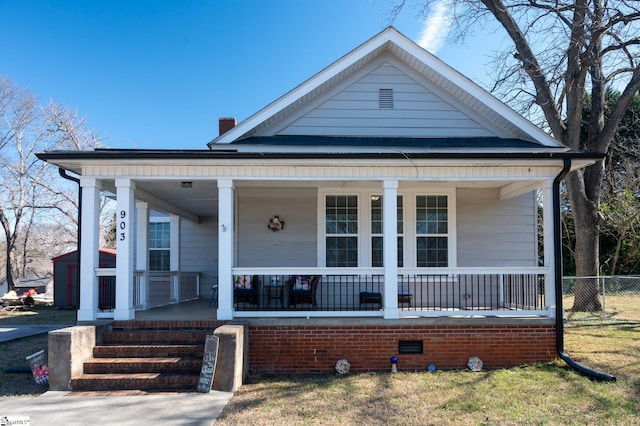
(411, 260)
(167, 222)
(409, 195)
(322, 235)
(370, 223)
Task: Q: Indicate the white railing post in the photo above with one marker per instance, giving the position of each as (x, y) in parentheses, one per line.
(124, 246)
(142, 253)
(225, 248)
(89, 251)
(390, 248)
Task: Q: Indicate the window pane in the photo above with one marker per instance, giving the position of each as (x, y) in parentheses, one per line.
(342, 252)
(376, 252)
(432, 214)
(341, 214)
(159, 235)
(432, 252)
(376, 214)
(159, 260)
(400, 216)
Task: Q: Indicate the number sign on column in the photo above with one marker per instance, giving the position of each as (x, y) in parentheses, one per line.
(122, 226)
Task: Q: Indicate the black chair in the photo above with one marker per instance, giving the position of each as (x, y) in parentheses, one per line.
(247, 294)
(299, 293)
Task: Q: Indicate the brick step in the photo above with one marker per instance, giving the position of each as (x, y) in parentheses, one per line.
(166, 325)
(138, 381)
(156, 336)
(170, 365)
(147, 351)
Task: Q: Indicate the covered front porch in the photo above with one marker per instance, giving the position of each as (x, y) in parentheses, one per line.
(427, 248)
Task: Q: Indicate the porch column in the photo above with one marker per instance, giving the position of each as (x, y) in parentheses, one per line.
(124, 246)
(174, 255)
(142, 252)
(390, 248)
(225, 249)
(89, 249)
(549, 249)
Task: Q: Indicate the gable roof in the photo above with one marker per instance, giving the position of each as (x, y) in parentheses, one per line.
(390, 47)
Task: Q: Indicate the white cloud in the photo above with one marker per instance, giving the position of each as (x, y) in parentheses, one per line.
(436, 27)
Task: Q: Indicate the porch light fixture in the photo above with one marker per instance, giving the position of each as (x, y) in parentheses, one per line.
(186, 184)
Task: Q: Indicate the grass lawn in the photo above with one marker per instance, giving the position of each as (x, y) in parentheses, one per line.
(13, 353)
(544, 394)
(37, 315)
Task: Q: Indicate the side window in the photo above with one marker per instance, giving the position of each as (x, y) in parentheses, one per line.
(432, 231)
(341, 230)
(159, 246)
(376, 232)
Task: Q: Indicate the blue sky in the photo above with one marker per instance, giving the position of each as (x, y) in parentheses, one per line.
(159, 73)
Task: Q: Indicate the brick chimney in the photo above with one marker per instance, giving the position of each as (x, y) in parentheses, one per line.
(225, 124)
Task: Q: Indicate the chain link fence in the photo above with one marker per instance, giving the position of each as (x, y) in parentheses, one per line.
(610, 298)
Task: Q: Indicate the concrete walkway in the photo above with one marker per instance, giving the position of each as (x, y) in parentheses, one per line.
(121, 408)
(12, 332)
(117, 408)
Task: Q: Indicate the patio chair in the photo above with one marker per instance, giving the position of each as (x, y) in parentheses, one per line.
(302, 289)
(246, 289)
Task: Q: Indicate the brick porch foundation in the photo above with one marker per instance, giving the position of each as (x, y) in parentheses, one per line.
(278, 349)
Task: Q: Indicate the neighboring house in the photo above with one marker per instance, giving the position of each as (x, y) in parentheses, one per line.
(410, 209)
(4, 286)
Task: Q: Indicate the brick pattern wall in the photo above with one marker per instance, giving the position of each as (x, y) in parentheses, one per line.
(310, 349)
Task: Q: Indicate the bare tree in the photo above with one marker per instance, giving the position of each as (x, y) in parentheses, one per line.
(621, 195)
(561, 50)
(29, 188)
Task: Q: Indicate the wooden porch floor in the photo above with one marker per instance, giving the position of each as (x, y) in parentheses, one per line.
(199, 310)
(191, 310)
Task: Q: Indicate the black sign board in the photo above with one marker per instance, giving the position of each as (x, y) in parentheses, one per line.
(208, 364)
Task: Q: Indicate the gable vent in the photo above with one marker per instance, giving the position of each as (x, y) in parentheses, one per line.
(385, 99)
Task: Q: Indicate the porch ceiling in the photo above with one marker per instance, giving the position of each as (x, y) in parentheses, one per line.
(201, 199)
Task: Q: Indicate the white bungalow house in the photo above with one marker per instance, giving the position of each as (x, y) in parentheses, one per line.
(407, 196)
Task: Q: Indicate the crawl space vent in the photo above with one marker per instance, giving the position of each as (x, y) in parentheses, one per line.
(410, 347)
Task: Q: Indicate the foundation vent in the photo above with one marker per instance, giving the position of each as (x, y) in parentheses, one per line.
(410, 347)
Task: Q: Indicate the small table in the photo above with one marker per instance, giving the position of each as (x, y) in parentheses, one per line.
(275, 292)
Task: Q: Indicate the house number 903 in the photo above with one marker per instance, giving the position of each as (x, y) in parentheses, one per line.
(122, 225)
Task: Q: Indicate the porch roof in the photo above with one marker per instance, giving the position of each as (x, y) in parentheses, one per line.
(341, 150)
(471, 143)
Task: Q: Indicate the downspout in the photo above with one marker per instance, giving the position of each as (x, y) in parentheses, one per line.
(64, 174)
(557, 242)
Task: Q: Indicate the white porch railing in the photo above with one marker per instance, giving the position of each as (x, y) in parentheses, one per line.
(421, 292)
(161, 288)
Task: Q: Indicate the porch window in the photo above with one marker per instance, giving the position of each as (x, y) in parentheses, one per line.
(341, 230)
(376, 232)
(159, 246)
(432, 231)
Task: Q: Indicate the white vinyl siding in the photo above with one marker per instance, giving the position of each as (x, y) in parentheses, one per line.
(295, 245)
(355, 111)
(199, 250)
(494, 232)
